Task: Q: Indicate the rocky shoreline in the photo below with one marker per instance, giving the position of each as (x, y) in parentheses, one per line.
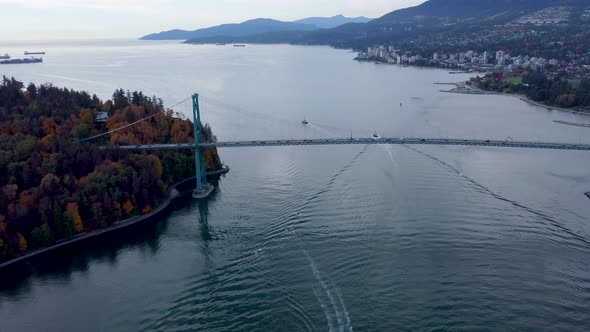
(174, 192)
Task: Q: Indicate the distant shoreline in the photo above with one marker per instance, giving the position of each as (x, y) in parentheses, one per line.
(463, 88)
(551, 108)
(575, 124)
(447, 69)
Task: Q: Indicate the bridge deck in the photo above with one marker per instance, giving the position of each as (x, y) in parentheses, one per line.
(364, 141)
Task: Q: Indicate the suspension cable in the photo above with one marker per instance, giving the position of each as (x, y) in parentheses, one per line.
(136, 122)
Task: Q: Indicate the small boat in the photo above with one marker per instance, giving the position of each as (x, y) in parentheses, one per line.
(5, 57)
(305, 122)
(375, 136)
(220, 44)
(34, 53)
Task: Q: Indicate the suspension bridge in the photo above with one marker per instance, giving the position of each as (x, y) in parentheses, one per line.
(203, 189)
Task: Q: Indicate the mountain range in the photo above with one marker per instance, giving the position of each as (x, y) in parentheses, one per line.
(431, 18)
(332, 22)
(255, 27)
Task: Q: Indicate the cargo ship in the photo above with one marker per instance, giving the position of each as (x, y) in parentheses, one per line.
(4, 57)
(21, 61)
(239, 45)
(33, 53)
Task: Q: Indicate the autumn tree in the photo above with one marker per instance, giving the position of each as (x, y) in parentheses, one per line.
(74, 214)
(54, 186)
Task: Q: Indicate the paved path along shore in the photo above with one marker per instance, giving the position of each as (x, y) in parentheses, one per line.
(173, 193)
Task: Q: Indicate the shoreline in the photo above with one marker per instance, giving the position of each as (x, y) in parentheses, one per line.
(461, 88)
(551, 108)
(464, 89)
(452, 71)
(172, 194)
(575, 124)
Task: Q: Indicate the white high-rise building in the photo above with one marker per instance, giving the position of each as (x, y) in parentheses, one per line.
(485, 57)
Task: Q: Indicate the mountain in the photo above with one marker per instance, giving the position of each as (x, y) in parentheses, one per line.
(439, 19)
(434, 12)
(332, 22)
(251, 27)
(256, 26)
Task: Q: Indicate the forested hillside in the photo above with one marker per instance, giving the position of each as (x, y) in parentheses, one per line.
(53, 186)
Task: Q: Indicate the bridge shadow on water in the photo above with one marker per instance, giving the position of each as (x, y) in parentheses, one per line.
(60, 264)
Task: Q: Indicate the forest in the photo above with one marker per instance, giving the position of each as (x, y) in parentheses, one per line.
(557, 91)
(55, 185)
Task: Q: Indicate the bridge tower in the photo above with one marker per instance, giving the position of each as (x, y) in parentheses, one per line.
(202, 189)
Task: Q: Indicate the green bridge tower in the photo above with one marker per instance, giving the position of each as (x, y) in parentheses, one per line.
(203, 189)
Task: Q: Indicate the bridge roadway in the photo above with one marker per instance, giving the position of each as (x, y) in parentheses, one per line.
(364, 141)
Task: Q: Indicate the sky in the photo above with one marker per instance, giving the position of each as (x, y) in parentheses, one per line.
(104, 19)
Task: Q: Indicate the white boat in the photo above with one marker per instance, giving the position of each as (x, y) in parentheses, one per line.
(375, 136)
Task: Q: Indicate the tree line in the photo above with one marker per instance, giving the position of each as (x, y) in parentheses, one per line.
(53, 185)
(556, 91)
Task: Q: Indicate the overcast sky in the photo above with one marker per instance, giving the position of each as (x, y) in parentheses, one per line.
(72, 19)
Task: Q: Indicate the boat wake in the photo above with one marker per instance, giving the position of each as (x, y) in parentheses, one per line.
(328, 296)
(390, 154)
(340, 313)
(76, 79)
(550, 220)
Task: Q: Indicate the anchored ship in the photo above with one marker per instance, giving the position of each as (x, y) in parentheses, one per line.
(33, 53)
(4, 57)
(21, 61)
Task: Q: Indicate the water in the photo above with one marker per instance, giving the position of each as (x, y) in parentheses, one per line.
(334, 238)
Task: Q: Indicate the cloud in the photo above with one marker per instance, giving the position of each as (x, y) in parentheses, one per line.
(154, 6)
(139, 6)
